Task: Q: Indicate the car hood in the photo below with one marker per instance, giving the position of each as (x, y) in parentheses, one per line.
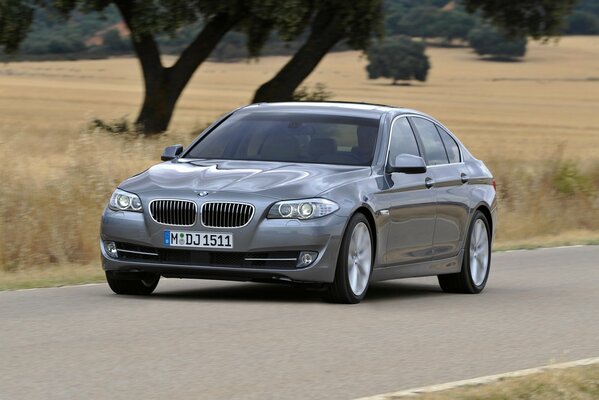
(271, 179)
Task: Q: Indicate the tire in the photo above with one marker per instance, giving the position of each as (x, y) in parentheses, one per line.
(354, 264)
(474, 274)
(138, 287)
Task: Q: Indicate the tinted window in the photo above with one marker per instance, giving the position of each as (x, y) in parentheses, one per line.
(434, 150)
(453, 151)
(291, 137)
(402, 139)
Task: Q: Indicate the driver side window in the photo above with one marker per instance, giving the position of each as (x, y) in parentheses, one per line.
(402, 139)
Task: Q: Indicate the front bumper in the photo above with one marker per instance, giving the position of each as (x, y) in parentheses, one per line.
(260, 236)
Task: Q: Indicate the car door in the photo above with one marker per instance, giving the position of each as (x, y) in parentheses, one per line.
(443, 155)
(411, 204)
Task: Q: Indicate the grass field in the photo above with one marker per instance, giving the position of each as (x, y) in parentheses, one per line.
(575, 383)
(534, 122)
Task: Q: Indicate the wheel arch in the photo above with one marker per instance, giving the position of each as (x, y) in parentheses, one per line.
(486, 211)
(370, 218)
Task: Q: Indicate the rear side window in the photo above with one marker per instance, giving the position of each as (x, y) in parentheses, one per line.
(452, 148)
(402, 139)
(434, 150)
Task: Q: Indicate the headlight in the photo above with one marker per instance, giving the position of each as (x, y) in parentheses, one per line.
(124, 201)
(302, 209)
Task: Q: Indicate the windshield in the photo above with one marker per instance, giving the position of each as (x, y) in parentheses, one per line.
(291, 137)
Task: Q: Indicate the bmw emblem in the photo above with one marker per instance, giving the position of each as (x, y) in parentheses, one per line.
(203, 194)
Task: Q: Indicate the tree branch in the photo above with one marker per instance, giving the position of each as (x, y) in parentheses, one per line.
(327, 30)
(199, 50)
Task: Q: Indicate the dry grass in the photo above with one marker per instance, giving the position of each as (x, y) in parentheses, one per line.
(50, 276)
(527, 120)
(577, 383)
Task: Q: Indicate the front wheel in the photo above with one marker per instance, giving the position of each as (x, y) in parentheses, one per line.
(139, 287)
(477, 260)
(354, 265)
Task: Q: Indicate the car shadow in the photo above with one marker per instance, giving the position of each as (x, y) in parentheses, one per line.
(394, 290)
(246, 291)
(261, 292)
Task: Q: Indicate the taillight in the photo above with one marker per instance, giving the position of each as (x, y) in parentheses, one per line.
(494, 184)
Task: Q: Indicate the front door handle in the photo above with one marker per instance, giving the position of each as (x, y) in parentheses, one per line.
(464, 178)
(429, 183)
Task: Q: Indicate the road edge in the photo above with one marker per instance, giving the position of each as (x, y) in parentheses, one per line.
(480, 380)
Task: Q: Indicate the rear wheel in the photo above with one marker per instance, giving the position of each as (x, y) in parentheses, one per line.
(354, 265)
(477, 260)
(140, 287)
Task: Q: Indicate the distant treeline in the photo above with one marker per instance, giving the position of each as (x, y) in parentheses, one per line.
(102, 34)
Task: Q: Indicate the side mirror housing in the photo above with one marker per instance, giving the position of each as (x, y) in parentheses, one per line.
(406, 163)
(171, 152)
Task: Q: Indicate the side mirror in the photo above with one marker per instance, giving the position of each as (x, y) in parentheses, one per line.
(171, 152)
(406, 163)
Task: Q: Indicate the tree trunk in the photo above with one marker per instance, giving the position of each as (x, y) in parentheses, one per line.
(163, 86)
(158, 104)
(325, 33)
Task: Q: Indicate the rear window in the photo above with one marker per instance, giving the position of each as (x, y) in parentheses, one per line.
(451, 146)
(434, 150)
(291, 137)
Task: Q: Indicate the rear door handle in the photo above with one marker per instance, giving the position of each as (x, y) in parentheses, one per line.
(429, 183)
(464, 178)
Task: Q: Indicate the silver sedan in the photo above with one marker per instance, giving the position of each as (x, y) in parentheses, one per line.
(329, 195)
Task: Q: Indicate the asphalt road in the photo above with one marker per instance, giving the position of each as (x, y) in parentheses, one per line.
(219, 340)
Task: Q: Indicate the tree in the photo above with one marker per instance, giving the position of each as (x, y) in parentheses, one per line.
(522, 18)
(418, 21)
(146, 19)
(333, 21)
(486, 40)
(398, 58)
(582, 23)
(15, 18)
(330, 21)
(453, 24)
(164, 85)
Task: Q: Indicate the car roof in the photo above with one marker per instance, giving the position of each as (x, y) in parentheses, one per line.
(332, 107)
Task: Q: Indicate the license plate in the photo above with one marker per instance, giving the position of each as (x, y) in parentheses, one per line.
(198, 239)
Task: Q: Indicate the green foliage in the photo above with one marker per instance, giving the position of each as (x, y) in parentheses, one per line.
(15, 18)
(590, 6)
(486, 40)
(536, 18)
(398, 58)
(319, 93)
(173, 21)
(428, 21)
(416, 22)
(452, 25)
(582, 23)
(177, 23)
(569, 180)
(361, 19)
(51, 33)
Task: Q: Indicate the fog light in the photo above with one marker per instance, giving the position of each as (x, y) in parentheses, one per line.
(111, 249)
(306, 258)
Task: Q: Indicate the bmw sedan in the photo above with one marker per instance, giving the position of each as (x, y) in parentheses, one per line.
(328, 195)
